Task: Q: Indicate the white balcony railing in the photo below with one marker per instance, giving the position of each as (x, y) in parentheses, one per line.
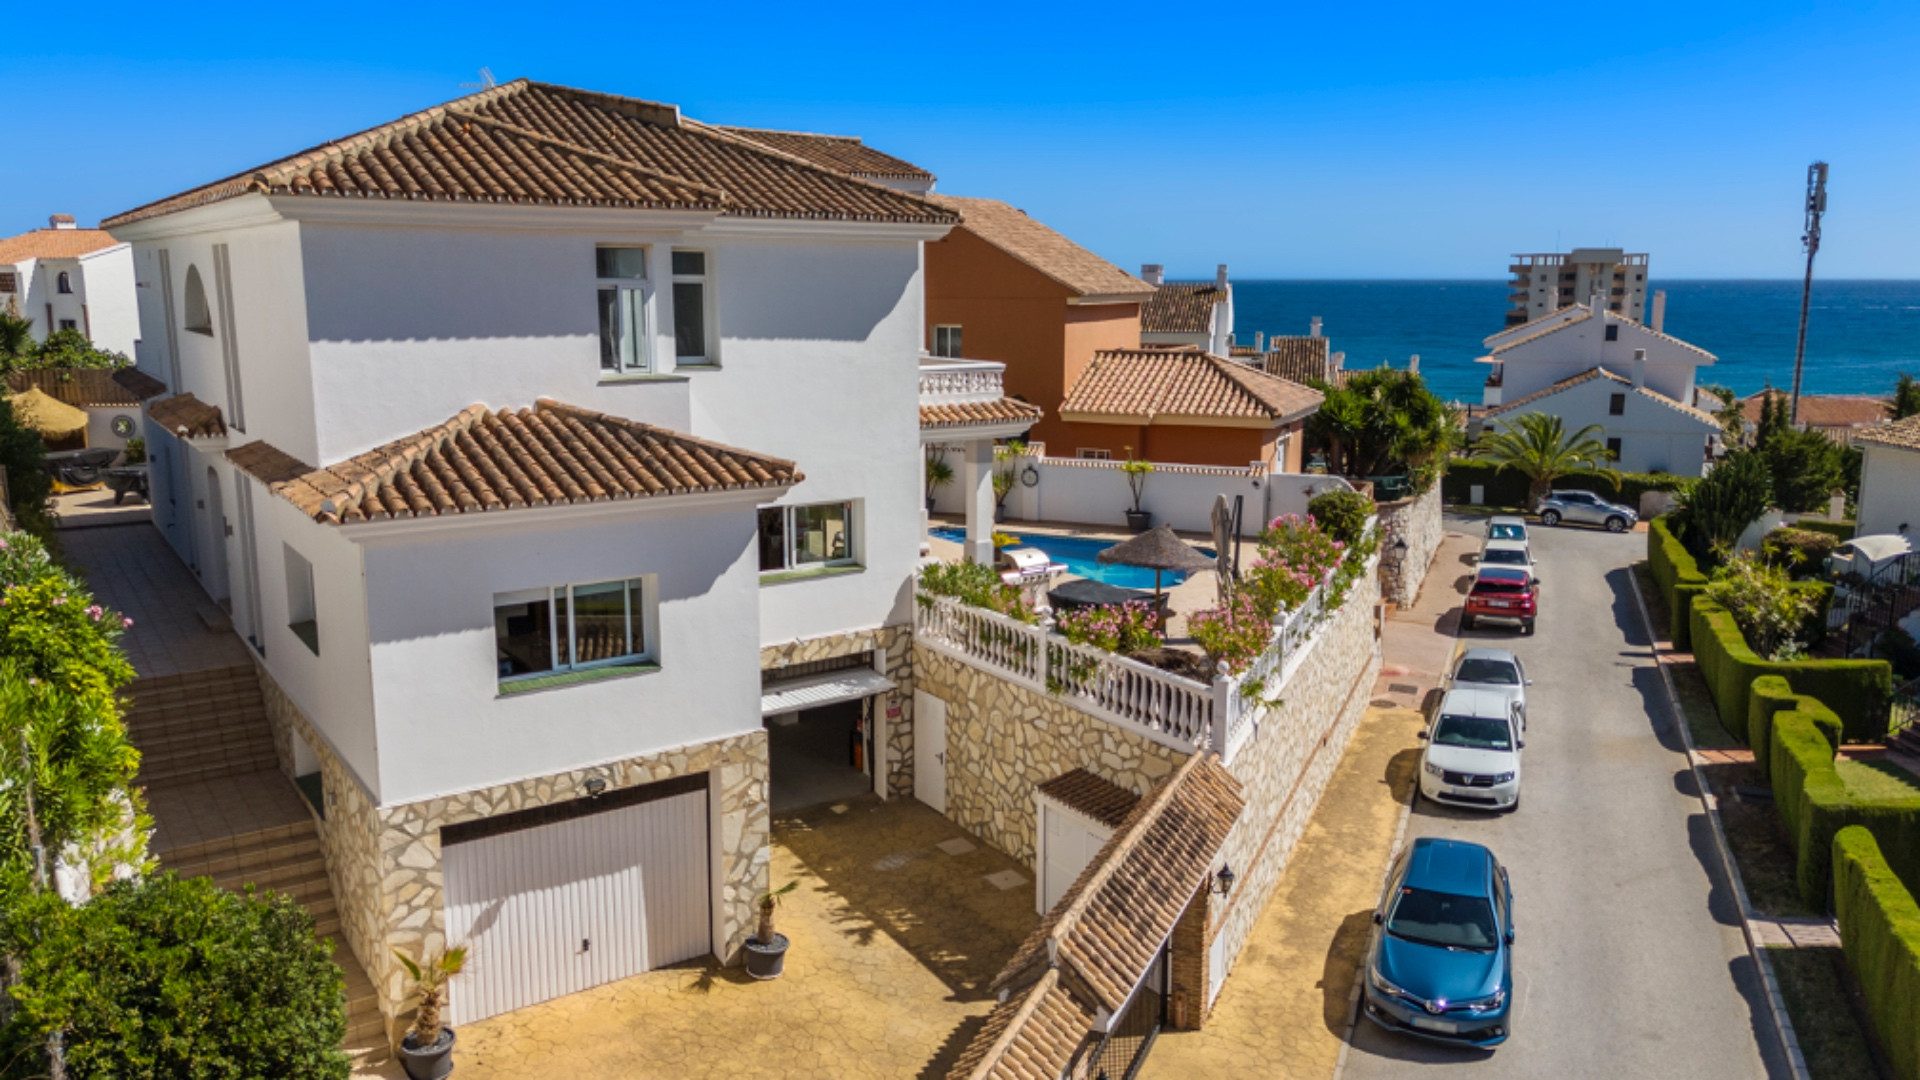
(960, 382)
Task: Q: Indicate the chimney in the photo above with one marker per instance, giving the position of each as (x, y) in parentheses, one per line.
(1597, 303)
(1220, 276)
(1152, 273)
(1413, 364)
(1313, 328)
(61, 221)
(1659, 311)
(1639, 368)
(1259, 341)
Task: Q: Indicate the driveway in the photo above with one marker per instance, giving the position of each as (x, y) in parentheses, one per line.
(1630, 959)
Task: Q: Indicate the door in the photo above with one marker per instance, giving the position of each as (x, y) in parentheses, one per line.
(551, 910)
(216, 564)
(1071, 842)
(930, 750)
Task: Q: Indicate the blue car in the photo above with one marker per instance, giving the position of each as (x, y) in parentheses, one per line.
(1440, 962)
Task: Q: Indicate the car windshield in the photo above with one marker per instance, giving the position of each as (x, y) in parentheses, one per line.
(1504, 556)
(1491, 672)
(1507, 532)
(1473, 732)
(1445, 919)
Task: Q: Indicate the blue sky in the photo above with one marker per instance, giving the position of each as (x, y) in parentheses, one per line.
(1287, 140)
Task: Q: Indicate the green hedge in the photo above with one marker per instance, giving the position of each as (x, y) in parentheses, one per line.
(1679, 577)
(1858, 691)
(1770, 695)
(1815, 804)
(1880, 933)
(1839, 530)
(1508, 487)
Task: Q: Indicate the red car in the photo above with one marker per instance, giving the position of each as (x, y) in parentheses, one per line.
(1504, 593)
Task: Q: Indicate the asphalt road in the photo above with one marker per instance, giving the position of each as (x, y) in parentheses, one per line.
(1629, 961)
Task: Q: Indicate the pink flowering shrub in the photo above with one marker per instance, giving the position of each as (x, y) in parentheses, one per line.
(1235, 634)
(51, 628)
(1131, 627)
(1296, 555)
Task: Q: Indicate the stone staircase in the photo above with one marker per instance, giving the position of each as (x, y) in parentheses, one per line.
(200, 725)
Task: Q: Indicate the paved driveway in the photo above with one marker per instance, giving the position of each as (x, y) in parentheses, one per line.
(1630, 960)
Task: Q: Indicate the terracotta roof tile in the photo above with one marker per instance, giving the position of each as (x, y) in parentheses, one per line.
(1004, 411)
(1587, 313)
(841, 153)
(1184, 382)
(1012, 231)
(1091, 796)
(187, 416)
(1904, 434)
(1299, 359)
(1034, 1034)
(89, 386)
(533, 143)
(54, 244)
(1827, 410)
(549, 455)
(267, 463)
(1181, 309)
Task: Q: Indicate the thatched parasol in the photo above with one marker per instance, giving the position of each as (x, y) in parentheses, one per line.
(52, 418)
(1157, 550)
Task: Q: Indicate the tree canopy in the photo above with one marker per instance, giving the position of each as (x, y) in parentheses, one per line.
(1906, 397)
(1382, 422)
(1538, 446)
(63, 349)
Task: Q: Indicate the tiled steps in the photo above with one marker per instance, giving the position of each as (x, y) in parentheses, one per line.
(1906, 740)
(200, 725)
(287, 860)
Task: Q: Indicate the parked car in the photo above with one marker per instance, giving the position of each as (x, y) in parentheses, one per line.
(1586, 507)
(1472, 756)
(1496, 671)
(1440, 958)
(1507, 527)
(1504, 594)
(1506, 553)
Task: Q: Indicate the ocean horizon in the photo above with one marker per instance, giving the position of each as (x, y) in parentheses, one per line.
(1861, 334)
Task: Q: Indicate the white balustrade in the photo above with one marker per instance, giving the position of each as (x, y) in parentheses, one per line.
(954, 382)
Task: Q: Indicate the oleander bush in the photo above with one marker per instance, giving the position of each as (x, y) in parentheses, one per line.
(1125, 628)
(1858, 691)
(1880, 934)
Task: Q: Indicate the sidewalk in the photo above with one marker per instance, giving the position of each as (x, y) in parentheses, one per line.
(1283, 1012)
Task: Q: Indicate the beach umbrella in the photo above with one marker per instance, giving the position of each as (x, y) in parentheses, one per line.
(1157, 550)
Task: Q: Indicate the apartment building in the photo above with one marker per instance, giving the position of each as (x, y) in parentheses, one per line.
(1544, 283)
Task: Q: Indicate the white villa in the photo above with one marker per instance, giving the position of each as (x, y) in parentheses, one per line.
(1890, 478)
(64, 277)
(1589, 365)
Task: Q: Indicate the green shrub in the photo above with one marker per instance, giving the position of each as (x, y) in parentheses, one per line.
(1857, 691)
(1342, 513)
(1800, 552)
(1771, 612)
(1814, 803)
(1509, 487)
(977, 585)
(161, 977)
(1841, 531)
(1679, 577)
(1902, 652)
(1880, 933)
(1714, 512)
(1772, 695)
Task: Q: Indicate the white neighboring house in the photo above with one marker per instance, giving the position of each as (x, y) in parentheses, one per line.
(473, 472)
(1192, 314)
(1592, 366)
(64, 277)
(1889, 479)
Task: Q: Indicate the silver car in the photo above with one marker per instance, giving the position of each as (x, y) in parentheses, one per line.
(1585, 506)
(1495, 670)
(1507, 527)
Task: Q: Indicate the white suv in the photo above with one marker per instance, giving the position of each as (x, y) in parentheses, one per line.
(1472, 756)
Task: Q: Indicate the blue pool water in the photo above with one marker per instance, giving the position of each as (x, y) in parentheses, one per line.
(1081, 557)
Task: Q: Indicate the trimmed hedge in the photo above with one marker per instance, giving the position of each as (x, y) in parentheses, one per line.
(1839, 530)
(1509, 487)
(1771, 695)
(1814, 802)
(1678, 575)
(1858, 691)
(1880, 933)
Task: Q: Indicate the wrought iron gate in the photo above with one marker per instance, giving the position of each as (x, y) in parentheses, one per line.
(1125, 1047)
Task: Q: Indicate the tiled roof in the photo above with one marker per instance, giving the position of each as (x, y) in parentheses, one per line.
(1184, 382)
(1904, 434)
(1612, 317)
(1033, 1035)
(1298, 359)
(1602, 373)
(1012, 231)
(54, 244)
(1827, 410)
(549, 455)
(187, 416)
(89, 386)
(841, 153)
(267, 463)
(1004, 411)
(1122, 907)
(532, 143)
(1091, 796)
(1181, 309)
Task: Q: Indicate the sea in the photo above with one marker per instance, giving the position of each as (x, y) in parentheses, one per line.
(1860, 334)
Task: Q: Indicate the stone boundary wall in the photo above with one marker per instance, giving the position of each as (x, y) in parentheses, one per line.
(896, 643)
(1285, 766)
(1417, 521)
(384, 862)
(1004, 740)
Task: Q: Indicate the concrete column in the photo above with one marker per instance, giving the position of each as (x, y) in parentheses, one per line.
(977, 477)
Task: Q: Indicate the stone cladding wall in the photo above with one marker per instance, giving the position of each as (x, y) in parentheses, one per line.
(896, 642)
(1417, 521)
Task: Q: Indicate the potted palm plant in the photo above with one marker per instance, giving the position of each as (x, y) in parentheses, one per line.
(1136, 472)
(939, 475)
(426, 1051)
(766, 950)
(1009, 455)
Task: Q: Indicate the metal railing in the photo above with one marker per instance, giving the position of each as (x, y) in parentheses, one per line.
(1870, 606)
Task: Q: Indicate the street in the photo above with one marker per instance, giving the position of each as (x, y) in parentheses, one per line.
(1629, 960)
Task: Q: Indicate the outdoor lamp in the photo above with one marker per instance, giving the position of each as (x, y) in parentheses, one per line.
(1400, 546)
(1223, 881)
(596, 787)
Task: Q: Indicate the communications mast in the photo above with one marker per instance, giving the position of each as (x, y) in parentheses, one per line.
(1816, 206)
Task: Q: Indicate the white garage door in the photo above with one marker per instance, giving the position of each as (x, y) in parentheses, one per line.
(552, 909)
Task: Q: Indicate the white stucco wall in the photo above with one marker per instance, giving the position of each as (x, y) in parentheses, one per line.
(1889, 490)
(1654, 437)
(1544, 361)
(105, 284)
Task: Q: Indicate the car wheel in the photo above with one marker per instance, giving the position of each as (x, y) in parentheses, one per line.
(1514, 805)
(1550, 517)
(1527, 627)
(1616, 524)
(1466, 622)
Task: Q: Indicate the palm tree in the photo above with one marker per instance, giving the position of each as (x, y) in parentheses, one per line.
(16, 337)
(1537, 446)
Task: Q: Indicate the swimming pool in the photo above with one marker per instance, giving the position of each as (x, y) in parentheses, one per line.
(1081, 557)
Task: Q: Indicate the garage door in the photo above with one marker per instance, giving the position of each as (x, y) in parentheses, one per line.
(556, 900)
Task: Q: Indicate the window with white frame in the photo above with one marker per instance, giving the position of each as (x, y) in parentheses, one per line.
(570, 628)
(625, 345)
(946, 341)
(1087, 453)
(692, 325)
(806, 537)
